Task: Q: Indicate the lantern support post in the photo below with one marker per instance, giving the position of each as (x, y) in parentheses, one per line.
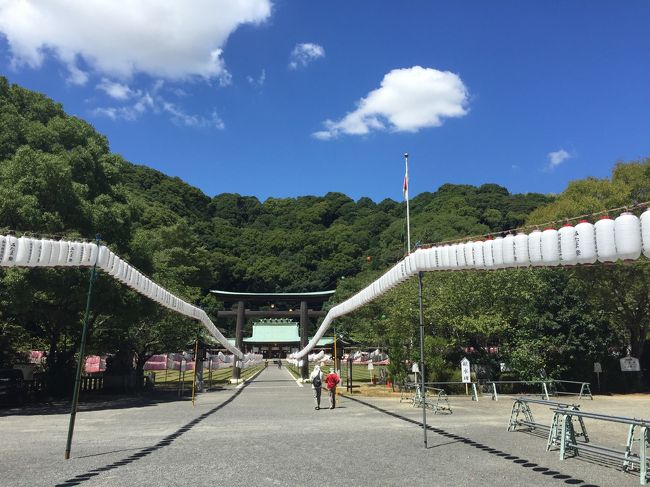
(80, 364)
(423, 391)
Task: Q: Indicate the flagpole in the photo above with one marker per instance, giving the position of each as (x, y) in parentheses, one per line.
(406, 195)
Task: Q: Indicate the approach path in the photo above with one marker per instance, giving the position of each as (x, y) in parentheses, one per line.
(268, 433)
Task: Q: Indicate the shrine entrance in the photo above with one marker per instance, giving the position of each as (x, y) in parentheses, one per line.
(279, 308)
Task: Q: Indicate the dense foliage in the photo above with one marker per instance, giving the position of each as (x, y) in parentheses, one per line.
(535, 321)
(58, 177)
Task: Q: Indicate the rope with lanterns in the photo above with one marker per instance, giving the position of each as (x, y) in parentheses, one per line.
(36, 252)
(624, 238)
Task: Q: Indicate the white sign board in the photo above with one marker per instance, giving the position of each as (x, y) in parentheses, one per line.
(598, 369)
(464, 371)
(415, 369)
(370, 366)
(183, 365)
(630, 364)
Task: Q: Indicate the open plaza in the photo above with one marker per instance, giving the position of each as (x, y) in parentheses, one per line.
(266, 432)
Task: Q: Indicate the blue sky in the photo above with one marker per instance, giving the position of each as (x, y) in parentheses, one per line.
(286, 98)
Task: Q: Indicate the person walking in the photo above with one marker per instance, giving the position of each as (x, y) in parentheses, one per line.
(316, 379)
(331, 380)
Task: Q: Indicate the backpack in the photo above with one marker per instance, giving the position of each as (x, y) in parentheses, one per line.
(316, 382)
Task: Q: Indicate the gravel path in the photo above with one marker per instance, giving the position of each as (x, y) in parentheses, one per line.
(268, 433)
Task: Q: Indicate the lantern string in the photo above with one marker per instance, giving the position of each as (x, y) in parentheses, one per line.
(630, 208)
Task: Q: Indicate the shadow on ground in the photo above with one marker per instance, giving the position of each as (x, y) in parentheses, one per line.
(567, 479)
(98, 402)
(166, 441)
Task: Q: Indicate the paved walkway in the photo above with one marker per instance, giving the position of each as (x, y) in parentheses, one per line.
(268, 433)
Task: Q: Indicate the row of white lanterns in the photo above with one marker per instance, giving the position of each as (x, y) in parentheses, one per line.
(624, 238)
(33, 252)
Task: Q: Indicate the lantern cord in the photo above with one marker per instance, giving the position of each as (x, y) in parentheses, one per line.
(637, 206)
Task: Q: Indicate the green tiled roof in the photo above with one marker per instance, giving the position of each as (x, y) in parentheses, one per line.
(323, 342)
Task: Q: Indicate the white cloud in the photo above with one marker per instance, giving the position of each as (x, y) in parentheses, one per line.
(152, 101)
(259, 81)
(76, 76)
(408, 100)
(119, 38)
(116, 90)
(179, 117)
(556, 158)
(305, 53)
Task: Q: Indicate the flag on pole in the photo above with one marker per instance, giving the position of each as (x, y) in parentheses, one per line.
(406, 197)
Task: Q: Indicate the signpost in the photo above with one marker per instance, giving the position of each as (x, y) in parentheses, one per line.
(630, 364)
(598, 369)
(465, 374)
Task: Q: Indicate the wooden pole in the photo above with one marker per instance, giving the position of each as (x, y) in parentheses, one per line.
(196, 357)
(80, 364)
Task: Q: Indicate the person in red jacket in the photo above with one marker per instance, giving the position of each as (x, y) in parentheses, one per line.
(331, 380)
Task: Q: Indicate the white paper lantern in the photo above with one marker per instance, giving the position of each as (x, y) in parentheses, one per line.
(103, 258)
(46, 252)
(605, 240)
(438, 250)
(37, 244)
(568, 245)
(64, 245)
(132, 279)
(420, 260)
(535, 248)
(645, 232)
(453, 259)
(409, 264)
(460, 256)
(11, 249)
(522, 257)
(91, 252)
(469, 255)
(124, 272)
(74, 254)
(444, 254)
(24, 252)
(115, 268)
(479, 259)
(509, 251)
(430, 259)
(54, 254)
(488, 257)
(627, 234)
(497, 252)
(550, 247)
(586, 243)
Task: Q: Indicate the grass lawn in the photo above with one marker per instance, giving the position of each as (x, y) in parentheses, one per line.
(171, 379)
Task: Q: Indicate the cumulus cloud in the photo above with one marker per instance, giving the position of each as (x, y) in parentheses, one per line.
(305, 53)
(407, 100)
(119, 38)
(556, 158)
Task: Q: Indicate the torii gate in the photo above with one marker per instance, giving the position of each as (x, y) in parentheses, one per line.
(297, 305)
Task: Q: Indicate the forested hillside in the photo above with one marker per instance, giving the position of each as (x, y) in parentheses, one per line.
(59, 178)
